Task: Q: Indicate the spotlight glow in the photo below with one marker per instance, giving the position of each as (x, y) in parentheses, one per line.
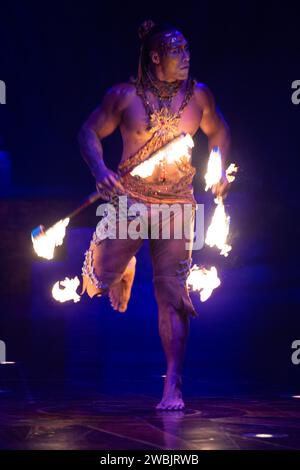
(266, 435)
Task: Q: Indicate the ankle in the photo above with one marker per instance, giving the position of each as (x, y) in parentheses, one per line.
(173, 378)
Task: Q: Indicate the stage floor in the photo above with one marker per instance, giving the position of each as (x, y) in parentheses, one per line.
(244, 332)
(128, 421)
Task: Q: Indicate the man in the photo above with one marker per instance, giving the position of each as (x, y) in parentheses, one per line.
(161, 104)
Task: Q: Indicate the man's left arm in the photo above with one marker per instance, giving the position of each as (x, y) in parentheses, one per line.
(216, 129)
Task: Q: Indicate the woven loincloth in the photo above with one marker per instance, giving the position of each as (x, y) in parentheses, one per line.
(169, 183)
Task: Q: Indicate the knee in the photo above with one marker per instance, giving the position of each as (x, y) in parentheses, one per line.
(94, 282)
(172, 298)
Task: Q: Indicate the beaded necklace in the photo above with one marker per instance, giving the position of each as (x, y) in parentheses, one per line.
(163, 120)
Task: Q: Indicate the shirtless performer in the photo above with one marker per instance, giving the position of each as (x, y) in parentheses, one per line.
(159, 105)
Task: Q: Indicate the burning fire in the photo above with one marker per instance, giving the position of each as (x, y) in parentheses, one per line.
(44, 242)
(229, 172)
(68, 292)
(203, 280)
(214, 168)
(171, 152)
(218, 230)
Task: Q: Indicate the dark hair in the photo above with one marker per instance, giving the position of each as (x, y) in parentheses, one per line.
(150, 34)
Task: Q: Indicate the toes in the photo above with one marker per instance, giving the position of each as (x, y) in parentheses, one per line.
(119, 296)
(111, 298)
(123, 305)
(114, 303)
(159, 406)
(114, 297)
(170, 406)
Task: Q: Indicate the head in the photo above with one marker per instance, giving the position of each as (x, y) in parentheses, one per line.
(165, 51)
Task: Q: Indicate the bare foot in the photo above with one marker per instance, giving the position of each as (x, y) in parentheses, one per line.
(119, 293)
(172, 396)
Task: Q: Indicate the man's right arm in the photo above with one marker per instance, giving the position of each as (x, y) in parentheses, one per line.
(101, 123)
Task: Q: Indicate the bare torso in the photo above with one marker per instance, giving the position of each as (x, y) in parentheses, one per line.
(123, 108)
(134, 120)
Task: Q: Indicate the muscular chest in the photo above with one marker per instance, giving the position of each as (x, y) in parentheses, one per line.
(136, 120)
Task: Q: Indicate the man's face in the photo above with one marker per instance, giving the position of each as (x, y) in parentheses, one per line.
(174, 56)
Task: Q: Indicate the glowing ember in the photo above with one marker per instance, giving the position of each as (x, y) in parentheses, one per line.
(229, 172)
(68, 292)
(218, 230)
(214, 168)
(45, 242)
(203, 280)
(173, 151)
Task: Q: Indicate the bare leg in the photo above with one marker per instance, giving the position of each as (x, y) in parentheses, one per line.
(173, 329)
(170, 259)
(119, 293)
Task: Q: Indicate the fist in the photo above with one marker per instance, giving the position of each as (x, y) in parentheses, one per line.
(221, 188)
(109, 182)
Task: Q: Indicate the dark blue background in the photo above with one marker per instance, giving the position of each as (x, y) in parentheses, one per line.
(57, 60)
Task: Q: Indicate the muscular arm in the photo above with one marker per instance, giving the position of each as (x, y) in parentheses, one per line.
(215, 127)
(101, 123)
(212, 123)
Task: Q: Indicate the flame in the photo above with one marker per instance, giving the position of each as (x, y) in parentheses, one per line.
(229, 172)
(68, 292)
(218, 230)
(203, 280)
(214, 168)
(45, 243)
(171, 152)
